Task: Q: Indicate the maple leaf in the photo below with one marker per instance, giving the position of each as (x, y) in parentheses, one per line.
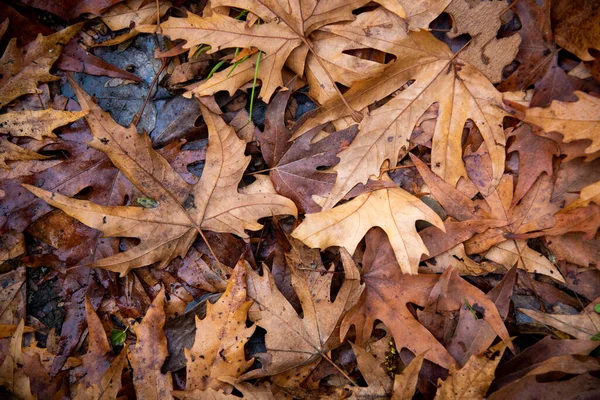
(383, 300)
(167, 231)
(461, 91)
(291, 340)
(294, 165)
(283, 37)
(482, 21)
(392, 209)
(534, 212)
(473, 380)
(150, 352)
(23, 68)
(218, 349)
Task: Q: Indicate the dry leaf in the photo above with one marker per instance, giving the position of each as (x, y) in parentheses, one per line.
(149, 354)
(12, 374)
(482, 20)
(168, 230)
(218, 348)
(394, 210)
(574, 120)
(293, 341)
(405, 383)
(462, 93)
(37, 124)
(472, 381)
(581, 326)
(21, 69)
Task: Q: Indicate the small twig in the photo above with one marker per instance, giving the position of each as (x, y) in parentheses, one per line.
(137, 117)
(341, 371)
(41, 101)
(158, 28)
(508, 8)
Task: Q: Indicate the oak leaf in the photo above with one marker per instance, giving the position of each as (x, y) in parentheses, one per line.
(437, 75)
(574, 27)
(292, 341)
(574, 120)
(37, 124)
(149, 354)
(472, 381)
(23, 68)
(392, 209)
(167, 231)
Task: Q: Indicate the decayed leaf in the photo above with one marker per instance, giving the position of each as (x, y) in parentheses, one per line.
(9, 330)
(21, 69)
(574, 120)
(581, 326)
(218, 348)
(149, 354)
(292, 341)
(12, 373)
(168, 230)
(473, 380)
(37, 124)
(482, 21)
(12, 296)
(394, 210)
(386, 297)
(294, 164)
(462, 93)
(249, 391)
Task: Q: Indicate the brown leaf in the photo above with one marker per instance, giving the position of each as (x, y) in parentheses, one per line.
(294, 165)
(70, 9)
(12, 374)
(12, 296)
(149, 354)
(379, 383)
(37, 124)
(574, 27)
(574, 120)
(405, 383)
(394, 210)
(462, 93)
(581, 326)
(168, 230)
(23, 68)
(218, 348)
(473, 380)
(386, 297)
(292, 341)
(482, 21)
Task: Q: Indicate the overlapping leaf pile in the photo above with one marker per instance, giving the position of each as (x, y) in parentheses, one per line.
(429, 230)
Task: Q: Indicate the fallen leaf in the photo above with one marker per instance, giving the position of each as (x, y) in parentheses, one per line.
(37, 124)
(386, 297)
(473, 380)
(295, 166)
(406, 382)
(462, 93)
(23, 68)
(12, 296)
(149, 354)
(292, 341)
(168, 230)
(218, 348)
(574, 28)
(379, 384)
(573, 120)
(12, 374)
(581, 326)
(70, 9)
(482, 21)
